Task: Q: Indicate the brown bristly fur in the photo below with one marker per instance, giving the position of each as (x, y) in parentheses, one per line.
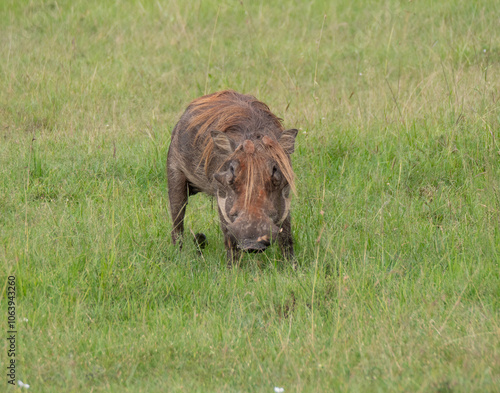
(224, 110)
(277, 153)
(256, 161)
(252, 161)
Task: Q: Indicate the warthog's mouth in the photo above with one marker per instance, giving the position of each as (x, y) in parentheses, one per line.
(252, 246)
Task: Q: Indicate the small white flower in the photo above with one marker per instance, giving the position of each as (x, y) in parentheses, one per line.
(278, 390)
(25, 319)
(23, 385)
(484, 50)
(360, 74)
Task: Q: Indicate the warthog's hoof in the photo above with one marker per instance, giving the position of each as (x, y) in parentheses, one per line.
(200, 240)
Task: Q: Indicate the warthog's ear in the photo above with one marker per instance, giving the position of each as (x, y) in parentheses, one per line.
(222, 142)
(287, 140)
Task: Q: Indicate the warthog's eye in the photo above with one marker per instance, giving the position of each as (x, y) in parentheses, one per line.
(226, 178)
(230, 174)
(286, 191)
(276, 176)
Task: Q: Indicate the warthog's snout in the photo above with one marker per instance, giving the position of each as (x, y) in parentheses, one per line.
(255, 246)
(253, 236)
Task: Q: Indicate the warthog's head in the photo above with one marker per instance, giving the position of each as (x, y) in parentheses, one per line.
(253, 188)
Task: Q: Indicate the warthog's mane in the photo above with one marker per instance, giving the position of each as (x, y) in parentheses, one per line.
(254, 164)
(226, 110)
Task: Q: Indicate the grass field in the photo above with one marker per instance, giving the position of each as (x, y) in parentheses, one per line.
(396, 218)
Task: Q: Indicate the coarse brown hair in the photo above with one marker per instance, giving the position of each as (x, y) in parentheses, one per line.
(226, 110)
(254, 163)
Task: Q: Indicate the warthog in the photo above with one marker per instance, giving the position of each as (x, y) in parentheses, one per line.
(232, 147)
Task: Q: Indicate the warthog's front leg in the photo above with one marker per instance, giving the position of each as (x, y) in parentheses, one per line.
(178, 198)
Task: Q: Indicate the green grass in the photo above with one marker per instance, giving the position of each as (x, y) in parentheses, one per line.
(396, 219)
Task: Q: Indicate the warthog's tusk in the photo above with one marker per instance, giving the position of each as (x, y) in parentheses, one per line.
(222, 206)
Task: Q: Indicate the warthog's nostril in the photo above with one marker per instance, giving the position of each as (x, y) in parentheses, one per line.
(254, 250)
(255, 246)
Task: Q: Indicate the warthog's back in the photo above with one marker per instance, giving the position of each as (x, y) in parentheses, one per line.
(239, 116)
